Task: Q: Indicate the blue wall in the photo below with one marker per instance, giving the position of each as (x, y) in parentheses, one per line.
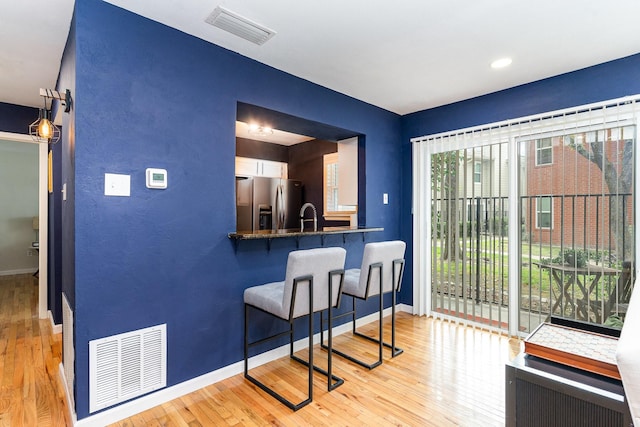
(610, 80)
(149, 96)
(16, 118)
(65, 150)
(54, 258)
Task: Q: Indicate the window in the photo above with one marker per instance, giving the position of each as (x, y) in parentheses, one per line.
(543, 212)
(332, 209)
(577, 201)
(544, 152)
(477, 172)
(331, 182)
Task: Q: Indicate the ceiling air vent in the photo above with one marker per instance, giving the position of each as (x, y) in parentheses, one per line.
(239, 25)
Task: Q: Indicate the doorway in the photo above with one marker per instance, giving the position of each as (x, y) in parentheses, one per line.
(43, 231)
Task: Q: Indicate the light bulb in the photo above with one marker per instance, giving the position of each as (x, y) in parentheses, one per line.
(45, 130)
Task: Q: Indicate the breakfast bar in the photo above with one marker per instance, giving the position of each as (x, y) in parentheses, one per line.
(296, 233)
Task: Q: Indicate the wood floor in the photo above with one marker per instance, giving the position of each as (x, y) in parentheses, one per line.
(30, 392)
(449, 375)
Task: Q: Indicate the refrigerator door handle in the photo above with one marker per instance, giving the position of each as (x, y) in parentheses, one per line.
(280, 211)
(283, 210)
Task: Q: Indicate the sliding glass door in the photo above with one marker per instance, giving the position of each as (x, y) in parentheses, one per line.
(469, 217)
(578, 231)
(518, 221)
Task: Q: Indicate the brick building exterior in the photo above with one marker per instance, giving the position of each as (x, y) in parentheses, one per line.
(568, 201)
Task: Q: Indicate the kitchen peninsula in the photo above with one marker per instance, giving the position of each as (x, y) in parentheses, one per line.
(296, 233)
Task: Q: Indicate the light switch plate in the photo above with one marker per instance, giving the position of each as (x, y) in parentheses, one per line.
(385, 198)
(117, 185)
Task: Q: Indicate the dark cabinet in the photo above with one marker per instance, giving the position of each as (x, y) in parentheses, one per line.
(547, 394)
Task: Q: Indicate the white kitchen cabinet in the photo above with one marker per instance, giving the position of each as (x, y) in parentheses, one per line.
(273, 169)
(246, 166)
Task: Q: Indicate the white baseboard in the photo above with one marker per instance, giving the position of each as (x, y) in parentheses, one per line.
(405, 308)
(70, 409)
(56, 329)
(20, 271)
(128, 409)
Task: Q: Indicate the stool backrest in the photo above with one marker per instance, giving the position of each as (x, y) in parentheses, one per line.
(317, 263)
(385, 253)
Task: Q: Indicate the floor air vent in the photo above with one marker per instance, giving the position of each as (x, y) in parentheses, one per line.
(127, 365)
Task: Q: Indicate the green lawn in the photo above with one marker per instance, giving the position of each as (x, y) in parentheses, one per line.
(494, 266)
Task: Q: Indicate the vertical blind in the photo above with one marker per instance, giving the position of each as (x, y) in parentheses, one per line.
(531, 171)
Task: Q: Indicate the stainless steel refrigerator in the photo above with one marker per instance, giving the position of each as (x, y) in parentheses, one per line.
(267, 203)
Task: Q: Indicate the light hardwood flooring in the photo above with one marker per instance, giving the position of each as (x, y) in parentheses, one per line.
(30, 391)
(449, 375)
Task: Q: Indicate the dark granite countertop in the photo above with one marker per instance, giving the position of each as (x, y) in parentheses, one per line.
(295, 232)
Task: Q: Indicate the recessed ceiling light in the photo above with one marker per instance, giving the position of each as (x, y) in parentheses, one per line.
(501, 63)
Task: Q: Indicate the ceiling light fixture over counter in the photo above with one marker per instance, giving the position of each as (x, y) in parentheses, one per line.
(260, 130)
(501, 63)
(274, 137)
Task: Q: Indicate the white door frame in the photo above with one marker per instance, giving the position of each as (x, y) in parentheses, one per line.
(43, 213)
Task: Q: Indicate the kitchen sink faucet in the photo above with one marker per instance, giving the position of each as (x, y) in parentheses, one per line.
(315, 216)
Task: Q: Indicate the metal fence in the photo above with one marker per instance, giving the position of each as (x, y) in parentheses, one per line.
(580, 266)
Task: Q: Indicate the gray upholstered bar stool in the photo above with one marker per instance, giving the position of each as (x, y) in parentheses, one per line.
(382, 268)
(313, 278)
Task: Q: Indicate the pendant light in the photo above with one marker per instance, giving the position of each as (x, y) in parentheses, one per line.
(43, 130)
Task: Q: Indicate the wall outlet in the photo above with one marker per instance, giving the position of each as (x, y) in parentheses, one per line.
(31, 252)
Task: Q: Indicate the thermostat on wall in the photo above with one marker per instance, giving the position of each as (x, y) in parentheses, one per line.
(156, 178)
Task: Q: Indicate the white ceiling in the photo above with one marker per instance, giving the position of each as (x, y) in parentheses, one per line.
(403, 56)
(32, 37)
